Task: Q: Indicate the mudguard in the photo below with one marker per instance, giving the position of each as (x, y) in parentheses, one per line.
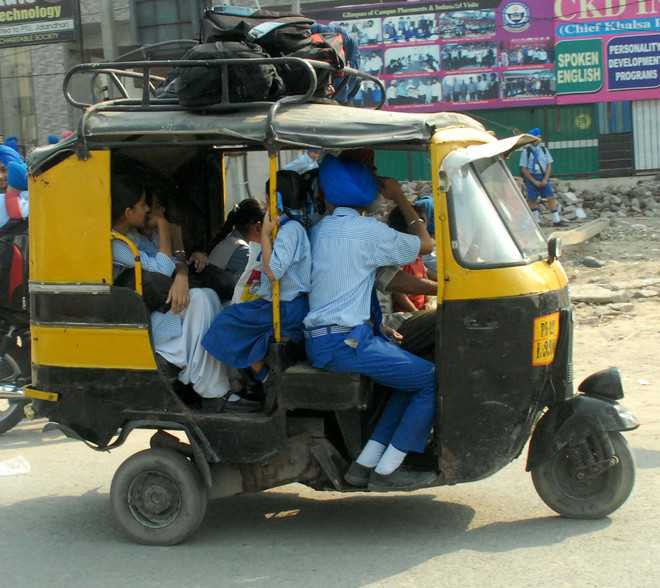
(572, 421)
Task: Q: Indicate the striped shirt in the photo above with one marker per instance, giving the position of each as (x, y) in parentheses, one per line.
(164, 325)
(347, 250)
(291, 263)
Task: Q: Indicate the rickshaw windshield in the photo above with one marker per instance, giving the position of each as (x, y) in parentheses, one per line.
(491, 224)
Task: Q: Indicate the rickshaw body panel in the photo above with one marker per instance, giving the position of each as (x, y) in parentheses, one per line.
(490, 393)
(69, 211)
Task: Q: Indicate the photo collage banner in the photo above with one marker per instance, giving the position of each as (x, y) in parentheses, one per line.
(469, 54)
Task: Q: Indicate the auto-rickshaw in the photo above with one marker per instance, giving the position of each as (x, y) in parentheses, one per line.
(502, 337)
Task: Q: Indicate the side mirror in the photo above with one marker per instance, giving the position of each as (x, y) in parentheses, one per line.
(554, 249)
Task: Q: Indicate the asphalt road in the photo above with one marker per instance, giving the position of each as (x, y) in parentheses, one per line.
(56, 528)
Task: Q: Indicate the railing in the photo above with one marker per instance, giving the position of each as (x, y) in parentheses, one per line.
(148, 103)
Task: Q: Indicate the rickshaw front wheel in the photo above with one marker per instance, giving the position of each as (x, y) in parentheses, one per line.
(574, 495)
(158, 497)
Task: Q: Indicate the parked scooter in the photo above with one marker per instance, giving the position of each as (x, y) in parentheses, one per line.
(14, 323)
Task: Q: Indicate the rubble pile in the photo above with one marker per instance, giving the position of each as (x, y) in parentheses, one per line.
(616, 201)
(643, 199)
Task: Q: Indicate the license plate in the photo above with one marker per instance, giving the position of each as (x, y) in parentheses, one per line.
(546, 335)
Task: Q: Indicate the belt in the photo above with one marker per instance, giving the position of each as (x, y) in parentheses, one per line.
(326, 330)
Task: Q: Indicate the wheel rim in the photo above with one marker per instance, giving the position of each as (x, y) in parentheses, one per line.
(154, 499)
(565, 475)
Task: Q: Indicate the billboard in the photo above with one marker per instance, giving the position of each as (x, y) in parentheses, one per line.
(607, 50)
(34, 22)
(469, 54)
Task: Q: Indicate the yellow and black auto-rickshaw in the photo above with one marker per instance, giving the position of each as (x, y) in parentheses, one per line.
(503, 330)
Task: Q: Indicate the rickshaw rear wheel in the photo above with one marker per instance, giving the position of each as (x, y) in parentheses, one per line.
(561, 487)
(158, 497)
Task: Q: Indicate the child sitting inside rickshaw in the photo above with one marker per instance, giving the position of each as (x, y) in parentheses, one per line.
(176, 332)
(241, 334)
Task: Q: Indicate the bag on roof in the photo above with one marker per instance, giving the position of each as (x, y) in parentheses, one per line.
(278, 34)
(202, 86)
(324, 47)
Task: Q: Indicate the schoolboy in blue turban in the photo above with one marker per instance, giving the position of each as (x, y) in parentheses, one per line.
(17, 176)
(347, 250)
(347, 183)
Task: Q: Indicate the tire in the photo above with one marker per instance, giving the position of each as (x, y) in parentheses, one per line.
(559, 488)
(11, 411)
(158, 497)
(11, 414)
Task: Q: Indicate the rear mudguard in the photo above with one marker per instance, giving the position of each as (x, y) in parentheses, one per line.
(572, 421)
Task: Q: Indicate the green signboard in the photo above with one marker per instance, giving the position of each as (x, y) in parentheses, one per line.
(579, 66)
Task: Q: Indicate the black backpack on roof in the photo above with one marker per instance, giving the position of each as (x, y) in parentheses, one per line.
(279, 35)
(202, 86)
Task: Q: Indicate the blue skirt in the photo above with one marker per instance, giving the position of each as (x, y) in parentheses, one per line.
(240, 334)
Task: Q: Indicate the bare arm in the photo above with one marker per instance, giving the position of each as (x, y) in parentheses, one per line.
(528, 176)
(165, 237)
(548, 173)
(392, 191)
(267, 246)
(405, 283)
(402, 303)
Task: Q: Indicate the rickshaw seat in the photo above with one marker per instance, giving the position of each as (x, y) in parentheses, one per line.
(305, 387)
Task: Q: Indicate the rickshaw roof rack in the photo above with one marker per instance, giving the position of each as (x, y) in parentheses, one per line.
(148, 103)
(143, 69)
(249, 127)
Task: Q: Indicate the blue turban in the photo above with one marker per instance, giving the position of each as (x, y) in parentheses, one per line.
(7, 155)
(535, 132)
(12, 143)
(53, 139)
(347, 183)
(425, 204)
(17, 175)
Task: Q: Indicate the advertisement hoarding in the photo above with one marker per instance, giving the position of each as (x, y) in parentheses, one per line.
(477, 54)
(34, 22)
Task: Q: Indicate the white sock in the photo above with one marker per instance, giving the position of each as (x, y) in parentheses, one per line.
(555, 216)
(537, 215)
(371, 453)
(391, 460)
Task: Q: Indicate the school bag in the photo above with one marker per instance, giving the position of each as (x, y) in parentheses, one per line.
(202, 86)
(276, 33)
(279, 35)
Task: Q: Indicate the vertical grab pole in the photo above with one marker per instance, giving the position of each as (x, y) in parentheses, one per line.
(439, 212)
(272, 207)
(223, 183)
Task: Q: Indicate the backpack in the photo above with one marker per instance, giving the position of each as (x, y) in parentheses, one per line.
(202, 86)
(280, 35)
(325, 47)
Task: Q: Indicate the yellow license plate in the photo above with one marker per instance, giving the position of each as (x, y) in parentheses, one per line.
(546, 335)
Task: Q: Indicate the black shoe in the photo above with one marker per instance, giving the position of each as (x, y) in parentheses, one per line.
(253, 391)
(213, 404)
(216, 405)
(561, 223)
(401, 479)
(358, 475)
(243, 405)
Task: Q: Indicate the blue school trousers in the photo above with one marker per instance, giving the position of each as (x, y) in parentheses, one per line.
(408, 417)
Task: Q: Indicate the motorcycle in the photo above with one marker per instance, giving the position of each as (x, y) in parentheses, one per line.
(14, 324)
